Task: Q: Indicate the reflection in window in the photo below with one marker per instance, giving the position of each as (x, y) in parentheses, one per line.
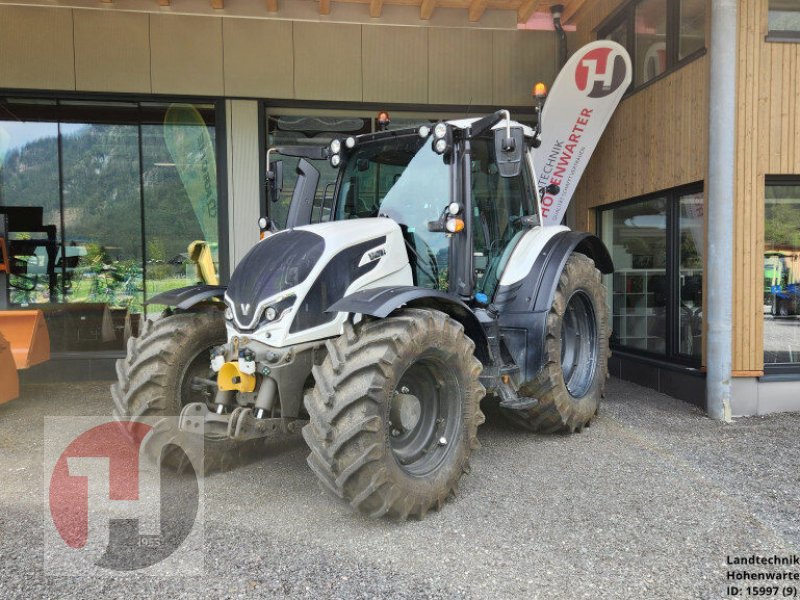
(690, 261)
(692, 33)
(784, 18)
(782, 275)
(94, 223)
(637, 237)
(656, 290)
(650, 28)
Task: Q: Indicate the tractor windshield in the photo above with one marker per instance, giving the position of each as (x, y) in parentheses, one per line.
(404, 179)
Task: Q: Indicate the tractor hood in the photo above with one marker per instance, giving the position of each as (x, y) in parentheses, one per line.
(301, 272)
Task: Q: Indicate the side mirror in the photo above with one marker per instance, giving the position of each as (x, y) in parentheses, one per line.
(275, 179)
(509, 150)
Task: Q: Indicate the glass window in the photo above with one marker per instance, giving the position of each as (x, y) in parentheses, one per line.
(283, 130)
(782, 275)
(690, 263)
(409, 183)
(637, 237)
(650, 33)
(784, 18)
(656, 290)
(692, 31)
(103, 200)
(658, 34)
(497, 204)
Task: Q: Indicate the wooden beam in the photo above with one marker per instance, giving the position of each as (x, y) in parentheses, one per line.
(426, 9)
(375, 8)
(571, 8)
(163, 2)
(217, 4)
(272, 6)
(525, 10)
(324, 7)
(476, 10)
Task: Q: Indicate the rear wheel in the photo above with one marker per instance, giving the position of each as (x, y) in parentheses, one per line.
(164, 370)
(394, 413)
(571, 383)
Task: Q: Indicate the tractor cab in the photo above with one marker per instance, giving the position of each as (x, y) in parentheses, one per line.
(462, 192)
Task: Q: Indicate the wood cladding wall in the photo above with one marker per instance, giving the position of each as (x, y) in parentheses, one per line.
(57, 48)
(768, 143)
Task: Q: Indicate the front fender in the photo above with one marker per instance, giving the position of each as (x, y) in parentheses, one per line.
(380, 302)
(186, 297)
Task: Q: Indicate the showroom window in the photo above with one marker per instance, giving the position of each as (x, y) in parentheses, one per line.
(782, 274)
(784, 21)
(655, 292)
(660, 35)
(102, 201)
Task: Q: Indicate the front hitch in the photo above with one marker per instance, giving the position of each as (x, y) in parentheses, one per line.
(240, 425)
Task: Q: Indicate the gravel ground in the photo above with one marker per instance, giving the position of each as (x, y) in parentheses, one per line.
(646, 503)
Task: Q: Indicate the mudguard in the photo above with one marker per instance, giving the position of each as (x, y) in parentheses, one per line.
(523, 306)
(186, 297)
(380, 302)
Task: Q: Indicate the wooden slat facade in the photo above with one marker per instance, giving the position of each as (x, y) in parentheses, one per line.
(768, 143)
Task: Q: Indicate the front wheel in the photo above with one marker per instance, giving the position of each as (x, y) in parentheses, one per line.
(571, 382)
(394, 413)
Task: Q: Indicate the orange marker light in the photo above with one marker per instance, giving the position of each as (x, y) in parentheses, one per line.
(454, 225)
(383, 120)
(540, 91)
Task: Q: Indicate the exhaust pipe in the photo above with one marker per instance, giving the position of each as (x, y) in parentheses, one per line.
(557, 10)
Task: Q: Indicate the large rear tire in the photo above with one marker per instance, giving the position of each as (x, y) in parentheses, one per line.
(572, 381)
(394, 413)
(155, 379)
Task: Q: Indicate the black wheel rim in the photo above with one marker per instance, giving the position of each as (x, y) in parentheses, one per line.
(578, 344)
(424, 414)
(197, 381)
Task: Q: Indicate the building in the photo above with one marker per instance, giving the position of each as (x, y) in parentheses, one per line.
(130, 128)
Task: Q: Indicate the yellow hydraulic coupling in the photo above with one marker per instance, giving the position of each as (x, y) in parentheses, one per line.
(230, 377)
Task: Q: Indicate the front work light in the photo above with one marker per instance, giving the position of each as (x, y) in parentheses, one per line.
(440, 146)
(439, 131)
(424, 131)
(336, 160)
(350, 142)
(336, 146)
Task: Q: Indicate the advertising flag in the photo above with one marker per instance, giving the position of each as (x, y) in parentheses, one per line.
(581, 102)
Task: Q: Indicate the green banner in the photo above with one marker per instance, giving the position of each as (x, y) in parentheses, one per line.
(192, 150)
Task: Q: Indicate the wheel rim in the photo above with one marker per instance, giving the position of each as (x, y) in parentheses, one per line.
(197, 380)
(578, 344)
(423, 415)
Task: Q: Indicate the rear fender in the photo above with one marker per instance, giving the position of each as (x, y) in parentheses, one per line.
(523, 305)
(380, 302)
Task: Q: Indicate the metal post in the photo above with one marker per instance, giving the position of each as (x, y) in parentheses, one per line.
(721, 172)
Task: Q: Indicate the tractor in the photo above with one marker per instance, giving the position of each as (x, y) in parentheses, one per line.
(427, 283)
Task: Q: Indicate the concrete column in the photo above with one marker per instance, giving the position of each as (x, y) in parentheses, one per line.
(720, 186)
(243, 177)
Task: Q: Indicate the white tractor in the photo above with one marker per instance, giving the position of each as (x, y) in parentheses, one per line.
(430, 284)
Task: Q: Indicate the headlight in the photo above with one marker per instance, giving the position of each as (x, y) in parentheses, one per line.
(424, 131)
(271, 313)
(336, 160)
(336, 146)
(350, 142)
(440, 131)
(228, 313)
(440, 146)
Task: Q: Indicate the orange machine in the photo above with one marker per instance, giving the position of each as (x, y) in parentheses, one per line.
(24, 340)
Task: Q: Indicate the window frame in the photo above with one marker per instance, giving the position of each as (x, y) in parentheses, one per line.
(672, 326)
(776, 370)
(791, 36)
(626, 15)
(58, 104)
